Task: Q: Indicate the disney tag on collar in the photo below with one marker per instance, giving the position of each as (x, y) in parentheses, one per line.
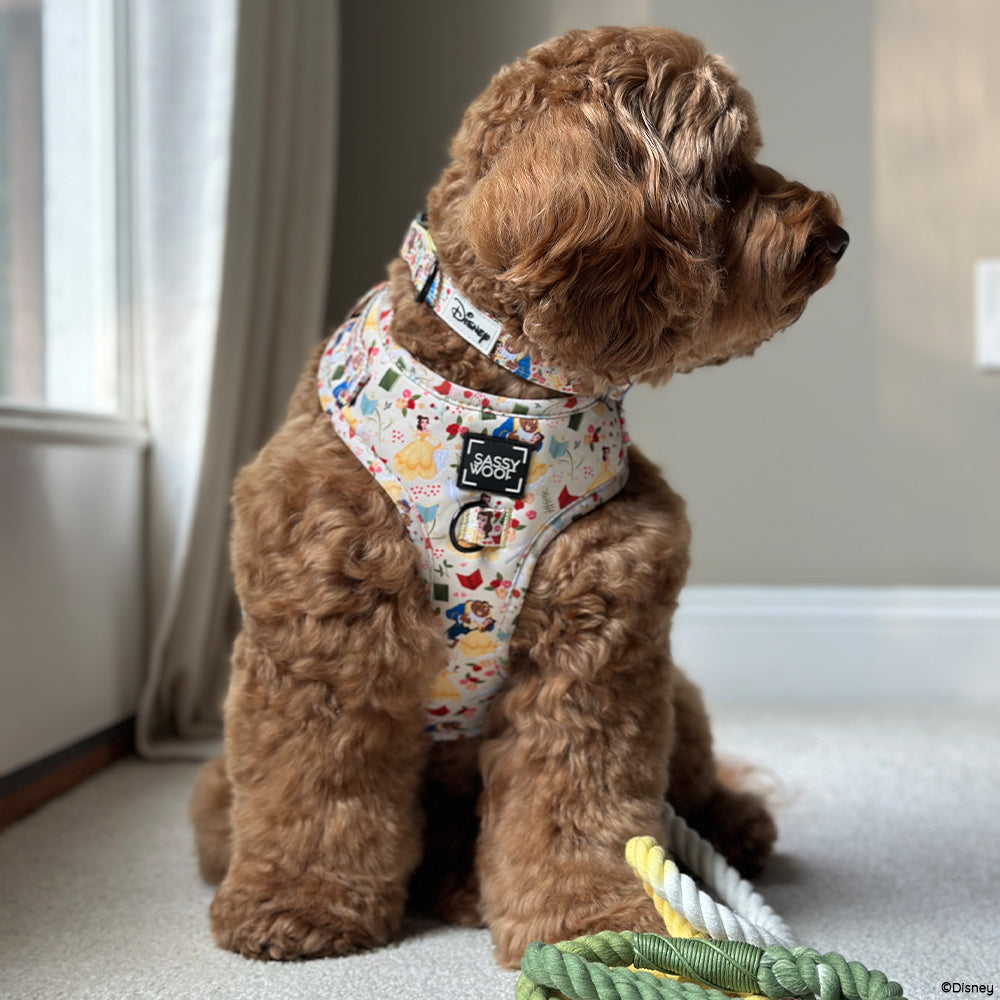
(494, 465)
(471, 324)
(475, 326)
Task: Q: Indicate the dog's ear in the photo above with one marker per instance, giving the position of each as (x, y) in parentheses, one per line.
(542, 198)
(602, 263)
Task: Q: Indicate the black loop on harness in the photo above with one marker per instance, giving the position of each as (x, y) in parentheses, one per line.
(454, 521)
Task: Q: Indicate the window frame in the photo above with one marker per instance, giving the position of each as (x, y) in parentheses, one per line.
(109, 33)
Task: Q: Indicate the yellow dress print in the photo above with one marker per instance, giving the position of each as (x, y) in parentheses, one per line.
(416, 460)
(538, 471)
(476, 644)
(444, 688)
(607, 471)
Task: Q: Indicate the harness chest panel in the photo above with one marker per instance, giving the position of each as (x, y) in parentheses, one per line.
(482, 482)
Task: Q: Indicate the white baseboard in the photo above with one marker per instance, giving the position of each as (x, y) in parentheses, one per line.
(841, 644)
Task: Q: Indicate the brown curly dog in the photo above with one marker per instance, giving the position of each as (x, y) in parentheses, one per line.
(603, 203)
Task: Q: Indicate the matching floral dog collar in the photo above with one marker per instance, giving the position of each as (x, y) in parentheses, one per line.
(479, 328)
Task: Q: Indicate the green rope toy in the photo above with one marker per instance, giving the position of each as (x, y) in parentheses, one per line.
(716, 952)
(592, 968)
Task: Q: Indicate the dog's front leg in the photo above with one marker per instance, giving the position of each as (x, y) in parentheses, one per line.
(325, 817)
(325, 742)
(572, 779)
(580, 740)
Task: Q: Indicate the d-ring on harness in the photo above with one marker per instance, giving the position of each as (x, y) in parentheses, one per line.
(453, 524)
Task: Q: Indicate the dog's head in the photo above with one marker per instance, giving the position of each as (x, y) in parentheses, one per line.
(604, 195)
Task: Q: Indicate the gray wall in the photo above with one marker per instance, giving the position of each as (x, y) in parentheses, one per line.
(860, 447)
(72, 603)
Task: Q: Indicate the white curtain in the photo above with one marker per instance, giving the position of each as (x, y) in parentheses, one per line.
(233, 153)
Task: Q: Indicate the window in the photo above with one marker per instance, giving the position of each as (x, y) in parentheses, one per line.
(62, 342)
(71, 454)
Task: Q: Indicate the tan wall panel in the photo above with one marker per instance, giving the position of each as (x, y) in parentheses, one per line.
(937, 208)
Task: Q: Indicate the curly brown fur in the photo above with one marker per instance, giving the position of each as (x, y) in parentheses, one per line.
(209, 812)
(603, 200)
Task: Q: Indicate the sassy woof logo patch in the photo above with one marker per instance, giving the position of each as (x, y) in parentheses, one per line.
(494, 465)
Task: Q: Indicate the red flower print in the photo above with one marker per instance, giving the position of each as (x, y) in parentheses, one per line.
(566, 498)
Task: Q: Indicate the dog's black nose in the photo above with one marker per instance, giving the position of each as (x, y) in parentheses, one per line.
(836, 242)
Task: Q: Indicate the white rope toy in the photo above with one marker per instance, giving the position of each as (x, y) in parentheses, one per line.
(741, 916)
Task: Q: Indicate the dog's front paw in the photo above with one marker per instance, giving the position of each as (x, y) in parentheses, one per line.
(739, 826)
(460, 903)
(568, 918)
(325, 921)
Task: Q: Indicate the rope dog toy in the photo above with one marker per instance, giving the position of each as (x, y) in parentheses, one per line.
(739, 946)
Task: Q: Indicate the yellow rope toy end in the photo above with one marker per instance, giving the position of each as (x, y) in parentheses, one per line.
(650, 863)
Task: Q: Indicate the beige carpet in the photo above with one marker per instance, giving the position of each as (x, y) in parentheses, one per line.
(889, 853)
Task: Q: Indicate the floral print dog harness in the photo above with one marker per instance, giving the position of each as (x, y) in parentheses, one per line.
(483, 484)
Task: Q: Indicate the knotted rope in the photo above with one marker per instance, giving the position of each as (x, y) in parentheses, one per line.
(593, 968)
(712, 947)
